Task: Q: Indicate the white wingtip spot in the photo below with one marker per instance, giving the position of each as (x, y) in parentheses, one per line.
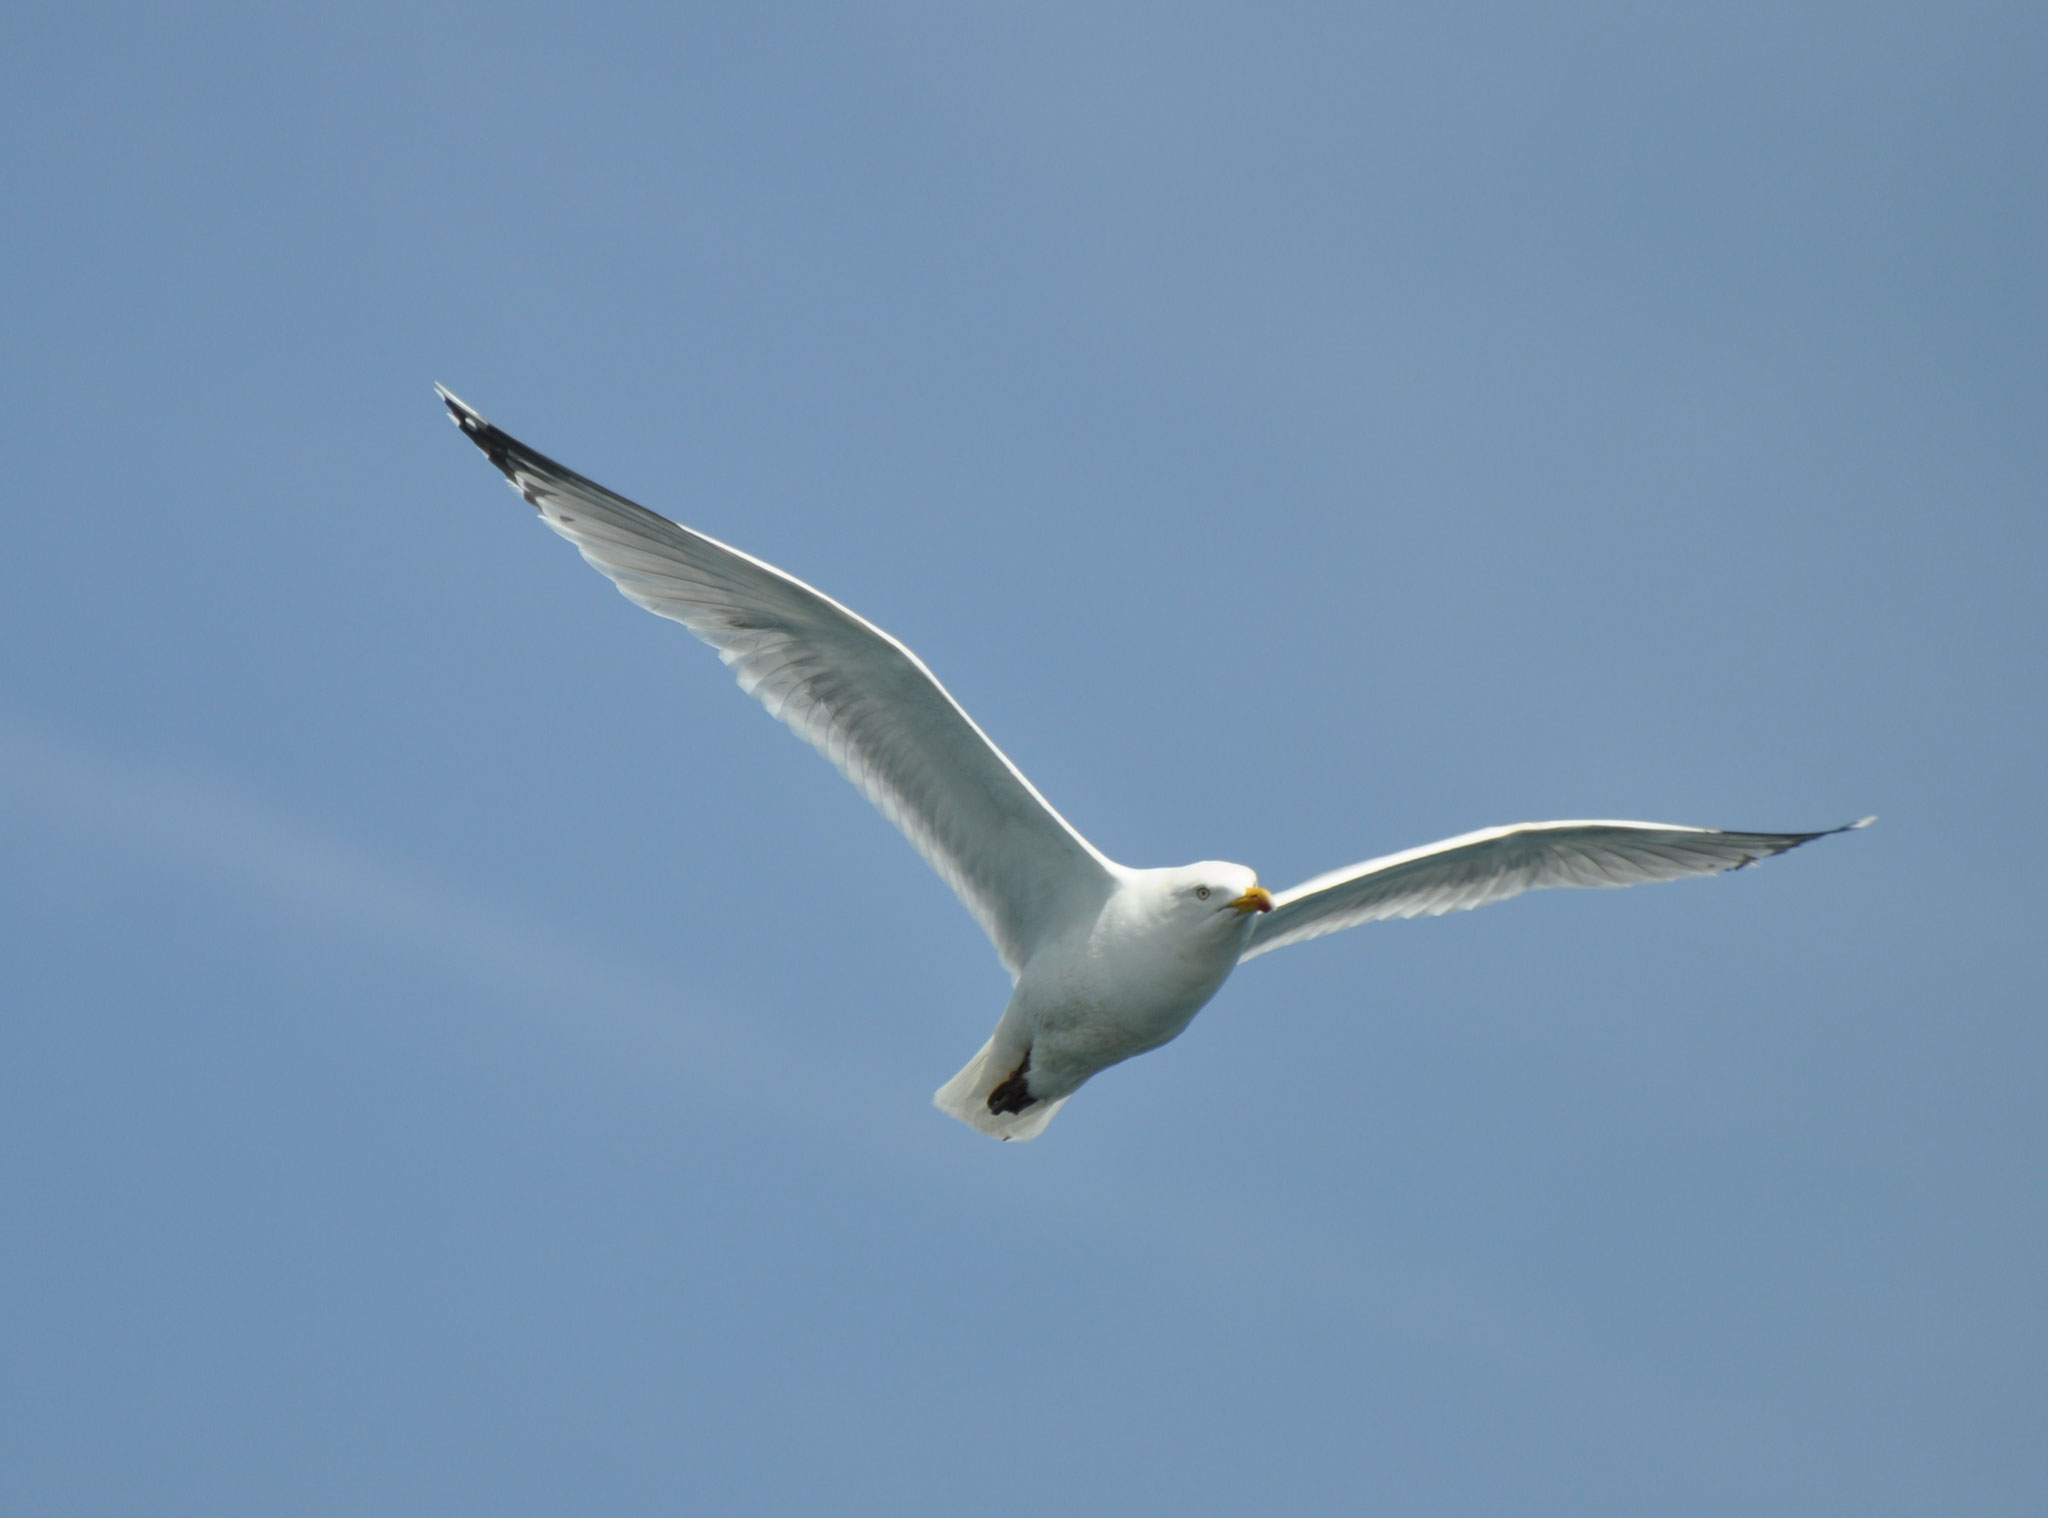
(460, 412)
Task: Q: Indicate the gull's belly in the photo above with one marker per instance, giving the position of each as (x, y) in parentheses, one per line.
(1085, 1012)
(1100, 1032)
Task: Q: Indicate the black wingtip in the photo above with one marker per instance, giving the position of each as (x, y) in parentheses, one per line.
(505, 452)
(1785, 843)
(1796, 840)
(464, 415)
(531, 473)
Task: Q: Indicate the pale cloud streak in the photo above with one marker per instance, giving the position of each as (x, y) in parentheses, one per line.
(161, 815)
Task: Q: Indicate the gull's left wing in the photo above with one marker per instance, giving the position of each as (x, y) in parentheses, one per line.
(857, 695)
(1478, 869)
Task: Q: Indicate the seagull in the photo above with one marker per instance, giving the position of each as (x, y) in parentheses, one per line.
(1106, 961)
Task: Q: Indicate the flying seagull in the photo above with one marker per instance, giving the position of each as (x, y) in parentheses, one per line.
(1108, 961)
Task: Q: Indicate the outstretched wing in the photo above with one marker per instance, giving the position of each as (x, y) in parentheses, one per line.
(862, 699)
(1478, 869)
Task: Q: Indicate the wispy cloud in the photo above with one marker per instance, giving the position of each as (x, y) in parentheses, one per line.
(204, 828)
(198, 826)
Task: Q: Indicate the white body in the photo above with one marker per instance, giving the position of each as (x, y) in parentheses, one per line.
(1128, 979)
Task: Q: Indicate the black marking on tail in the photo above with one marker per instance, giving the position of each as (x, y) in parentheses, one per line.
(1013, 1095)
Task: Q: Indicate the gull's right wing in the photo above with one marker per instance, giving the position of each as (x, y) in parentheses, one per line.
(1478, 869)
(862, 699)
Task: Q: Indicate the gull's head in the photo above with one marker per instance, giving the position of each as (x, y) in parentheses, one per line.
(1214, 891)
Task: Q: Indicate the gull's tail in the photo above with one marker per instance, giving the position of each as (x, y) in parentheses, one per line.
(966, 1097)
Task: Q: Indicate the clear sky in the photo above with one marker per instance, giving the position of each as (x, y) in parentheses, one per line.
(462, 1057)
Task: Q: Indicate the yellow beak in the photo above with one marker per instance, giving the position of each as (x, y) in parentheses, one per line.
(1257, 899)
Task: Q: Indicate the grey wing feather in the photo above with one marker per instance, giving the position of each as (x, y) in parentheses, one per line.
(861, 698)
(1477, 869)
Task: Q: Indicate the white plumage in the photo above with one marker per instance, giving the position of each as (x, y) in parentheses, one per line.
(1108, 961)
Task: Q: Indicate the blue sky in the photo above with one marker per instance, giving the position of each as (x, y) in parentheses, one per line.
(463, 1057)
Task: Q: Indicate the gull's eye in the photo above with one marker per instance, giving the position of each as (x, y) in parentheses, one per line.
(1201, 893)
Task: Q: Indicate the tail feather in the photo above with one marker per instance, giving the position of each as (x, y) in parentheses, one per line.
(966, 1096)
